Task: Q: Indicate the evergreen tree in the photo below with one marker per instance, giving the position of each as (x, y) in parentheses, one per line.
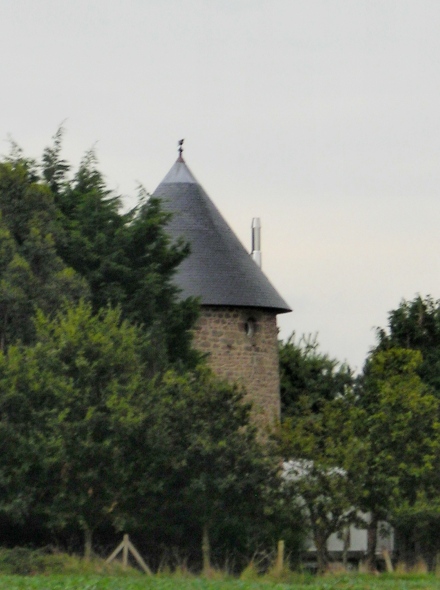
(126, 258)
(32, 275)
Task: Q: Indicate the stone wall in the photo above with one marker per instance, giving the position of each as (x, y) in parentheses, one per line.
(242, 347)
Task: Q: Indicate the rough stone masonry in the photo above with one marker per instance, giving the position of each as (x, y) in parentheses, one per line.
(242, 347)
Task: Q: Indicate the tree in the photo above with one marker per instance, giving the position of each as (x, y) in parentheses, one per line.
(308, 374)
(88, 440)
(54, 167)
(399, 426)
(213, 472)
(416, 325)
(31, 273)
(66, 238)
(28, 394)
(321, 448)
(69, 400)
(317, 438)
(99, 356)
(127, 259)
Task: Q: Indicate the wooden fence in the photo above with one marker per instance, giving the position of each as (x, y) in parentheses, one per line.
(126, 546)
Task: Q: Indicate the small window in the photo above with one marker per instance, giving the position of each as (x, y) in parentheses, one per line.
(250, 327)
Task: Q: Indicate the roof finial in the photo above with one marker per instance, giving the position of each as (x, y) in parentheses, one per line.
(180, 144)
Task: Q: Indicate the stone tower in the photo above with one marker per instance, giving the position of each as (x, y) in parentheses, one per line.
(237, 326)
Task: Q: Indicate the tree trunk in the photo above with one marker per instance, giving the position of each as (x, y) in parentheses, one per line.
(321, 552)
(88, 536)
(206, 550)
(372, 542)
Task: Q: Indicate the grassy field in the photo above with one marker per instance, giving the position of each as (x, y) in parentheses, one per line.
(93, 582)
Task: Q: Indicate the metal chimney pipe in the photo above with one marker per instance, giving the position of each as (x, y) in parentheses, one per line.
(256, 240)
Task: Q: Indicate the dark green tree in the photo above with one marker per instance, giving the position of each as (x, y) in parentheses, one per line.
(31, 273)
(67, 405)
(308, 374)
(398, 423)
(89, 372)
(29, 393)
(213, 472)
(54, 167)
(126, 258)
(416, 325)
(65, 238)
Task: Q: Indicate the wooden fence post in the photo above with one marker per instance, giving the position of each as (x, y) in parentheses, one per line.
(127, 546)
(279, 565)
(125, 552)
(387, 559)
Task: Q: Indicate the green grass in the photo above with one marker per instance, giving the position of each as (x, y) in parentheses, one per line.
(340, 582)
(26, 569)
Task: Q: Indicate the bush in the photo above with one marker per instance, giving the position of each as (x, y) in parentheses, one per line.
(21, 561)
(25, 561)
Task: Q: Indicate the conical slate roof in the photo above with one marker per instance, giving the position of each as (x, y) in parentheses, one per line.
(219, 270)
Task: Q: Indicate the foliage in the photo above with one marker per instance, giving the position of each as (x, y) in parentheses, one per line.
(65, 408)
(374, 449)
(98, 355)
(32, 275)
(213, 472)
(92, 425)
(63, 238)
(21, 560)
(89, 441)
(417, 525)
(127, 259)
(25, 561)
(317, 437)
(28, 399)
(416, 325)
(321, 451)
(399, 426)
(308, 374)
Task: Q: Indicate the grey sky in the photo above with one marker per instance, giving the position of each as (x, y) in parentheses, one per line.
(319, 116)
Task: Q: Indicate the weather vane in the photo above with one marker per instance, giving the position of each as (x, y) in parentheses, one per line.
(180, 144)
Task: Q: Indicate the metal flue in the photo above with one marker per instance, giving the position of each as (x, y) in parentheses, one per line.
(256, 240)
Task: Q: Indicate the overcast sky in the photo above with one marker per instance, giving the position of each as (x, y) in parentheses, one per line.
(319, 116)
